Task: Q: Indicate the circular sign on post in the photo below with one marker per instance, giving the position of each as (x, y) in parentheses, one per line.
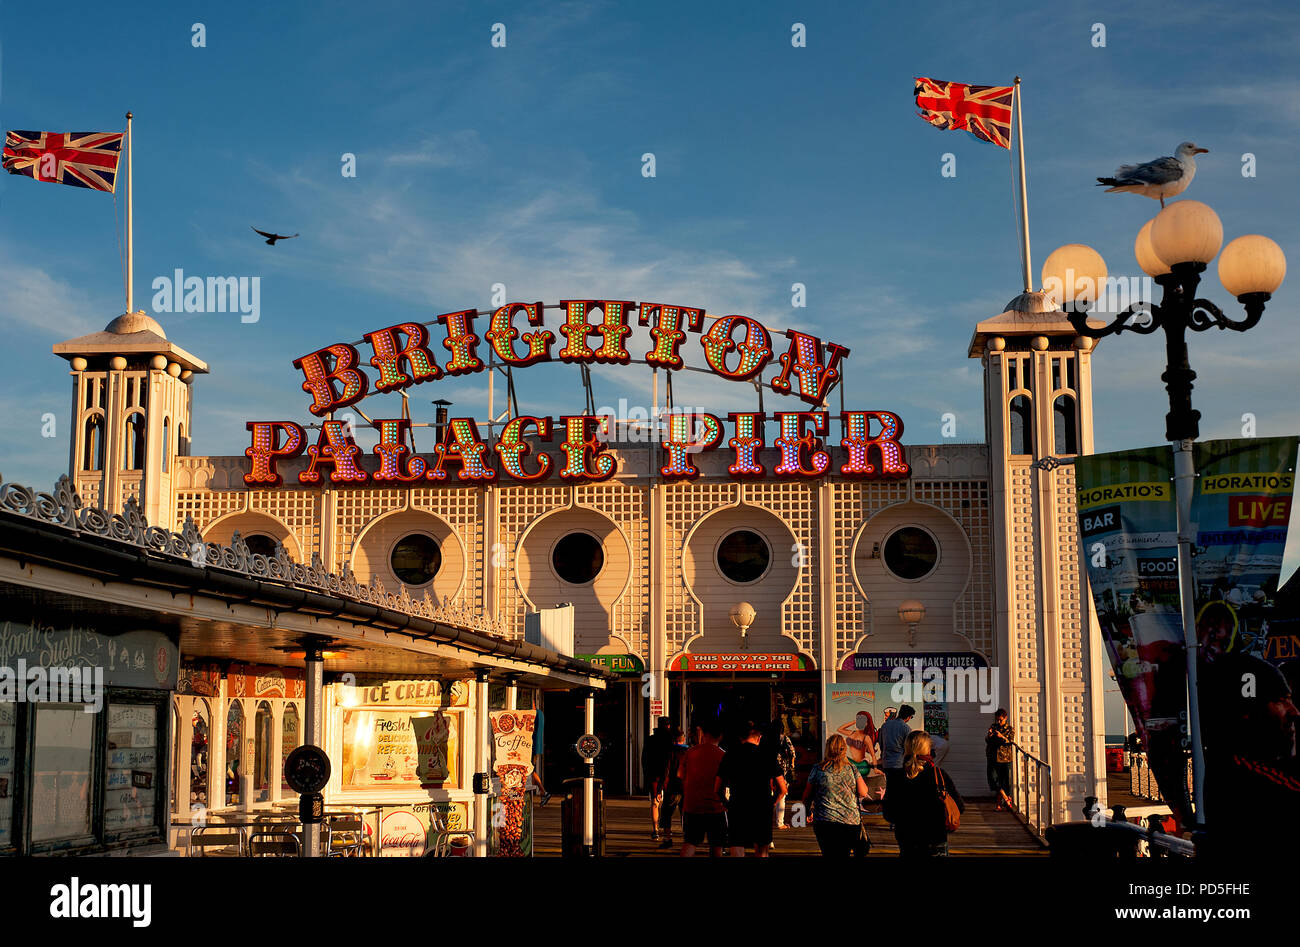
(307, 769)
(588, 746)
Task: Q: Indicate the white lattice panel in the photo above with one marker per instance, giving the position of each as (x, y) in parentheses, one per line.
(465, 510)
(684, 505)
(967, 501)
(299, 510)
(629, 507)
(520, 507)
(354, 510)
(853, 503)
(796, 505)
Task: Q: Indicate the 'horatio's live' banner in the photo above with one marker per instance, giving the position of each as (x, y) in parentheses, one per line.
(1128, 530)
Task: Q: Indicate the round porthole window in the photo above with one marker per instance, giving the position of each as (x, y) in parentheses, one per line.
(578, 558)
(743, 556)
(911, 553)
(416, 559)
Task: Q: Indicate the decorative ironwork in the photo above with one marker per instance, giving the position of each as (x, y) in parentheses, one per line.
(63, 508)
(1051, 463)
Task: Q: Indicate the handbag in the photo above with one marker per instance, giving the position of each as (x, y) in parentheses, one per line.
(863, 845)
(952, 815)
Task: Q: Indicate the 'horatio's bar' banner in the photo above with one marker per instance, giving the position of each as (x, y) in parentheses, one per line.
(1128, 529)
(736, 348)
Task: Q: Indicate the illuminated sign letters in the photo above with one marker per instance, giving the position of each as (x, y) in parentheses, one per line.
(736, 347)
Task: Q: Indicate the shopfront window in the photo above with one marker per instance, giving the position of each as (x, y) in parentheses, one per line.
(401, 749)
(199, 755)
(130, 787)
(234, 750)
(262, 753)
(62, 765)
(8, 744)
(290, 736)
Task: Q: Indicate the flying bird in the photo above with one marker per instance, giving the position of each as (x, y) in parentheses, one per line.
(272, 237)
(1164, 177)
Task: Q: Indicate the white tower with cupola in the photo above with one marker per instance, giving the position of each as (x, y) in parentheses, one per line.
(1038, 404)
(131, 411)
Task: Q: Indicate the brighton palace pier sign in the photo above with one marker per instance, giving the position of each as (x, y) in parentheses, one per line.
(737, 348)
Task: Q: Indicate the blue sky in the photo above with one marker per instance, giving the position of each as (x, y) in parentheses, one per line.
(522, 165)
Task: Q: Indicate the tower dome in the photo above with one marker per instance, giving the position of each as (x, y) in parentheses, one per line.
(131, 322)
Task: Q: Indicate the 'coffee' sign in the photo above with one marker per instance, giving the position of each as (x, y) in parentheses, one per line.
(737, 348)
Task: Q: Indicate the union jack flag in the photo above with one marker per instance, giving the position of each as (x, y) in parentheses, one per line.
(82, 159)
(982, 110)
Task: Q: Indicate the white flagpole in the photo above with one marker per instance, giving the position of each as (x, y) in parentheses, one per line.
(130, 225)
(1025, 260)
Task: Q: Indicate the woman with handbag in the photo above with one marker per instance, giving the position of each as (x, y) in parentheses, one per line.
(923, 804)
(834, 787)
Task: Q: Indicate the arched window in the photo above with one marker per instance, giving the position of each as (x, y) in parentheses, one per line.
(182, 445)
(1066, 433)
(198, 755)
(262, 753)
(235, 764)
(290, 737)
(1022, 425)
(133, 442)
(166, 442)
(93, 445)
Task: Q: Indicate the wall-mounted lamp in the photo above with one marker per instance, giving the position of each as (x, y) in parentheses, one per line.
(912, 613)
(742, 616)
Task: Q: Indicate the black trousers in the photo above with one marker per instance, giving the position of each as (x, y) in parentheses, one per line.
(838, 839)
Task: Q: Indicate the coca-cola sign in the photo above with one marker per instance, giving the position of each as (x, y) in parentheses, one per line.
(403, 835)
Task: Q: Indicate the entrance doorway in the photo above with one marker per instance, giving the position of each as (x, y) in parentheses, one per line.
(733, 704)
(792, 699)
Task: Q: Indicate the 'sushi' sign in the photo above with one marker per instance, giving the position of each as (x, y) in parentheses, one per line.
(736, 348)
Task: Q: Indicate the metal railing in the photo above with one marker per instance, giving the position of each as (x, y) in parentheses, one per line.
(1031, 790)
(1142, 782)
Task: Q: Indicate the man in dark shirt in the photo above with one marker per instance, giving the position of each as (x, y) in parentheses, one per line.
(892, 737)
(749, 774)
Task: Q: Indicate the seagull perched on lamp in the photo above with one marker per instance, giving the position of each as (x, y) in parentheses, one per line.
(1158, 179)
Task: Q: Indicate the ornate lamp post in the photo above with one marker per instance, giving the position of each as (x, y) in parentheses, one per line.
(1174, 249)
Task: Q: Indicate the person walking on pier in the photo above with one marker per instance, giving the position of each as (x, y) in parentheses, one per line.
(703, 814)
(914, 801)
(654, 764)
(750, 774)
(834, 788)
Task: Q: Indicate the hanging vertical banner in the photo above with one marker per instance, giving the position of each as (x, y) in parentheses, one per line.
(1246, 632)
(1128, 531)
(512, 763)
(1241, 508)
